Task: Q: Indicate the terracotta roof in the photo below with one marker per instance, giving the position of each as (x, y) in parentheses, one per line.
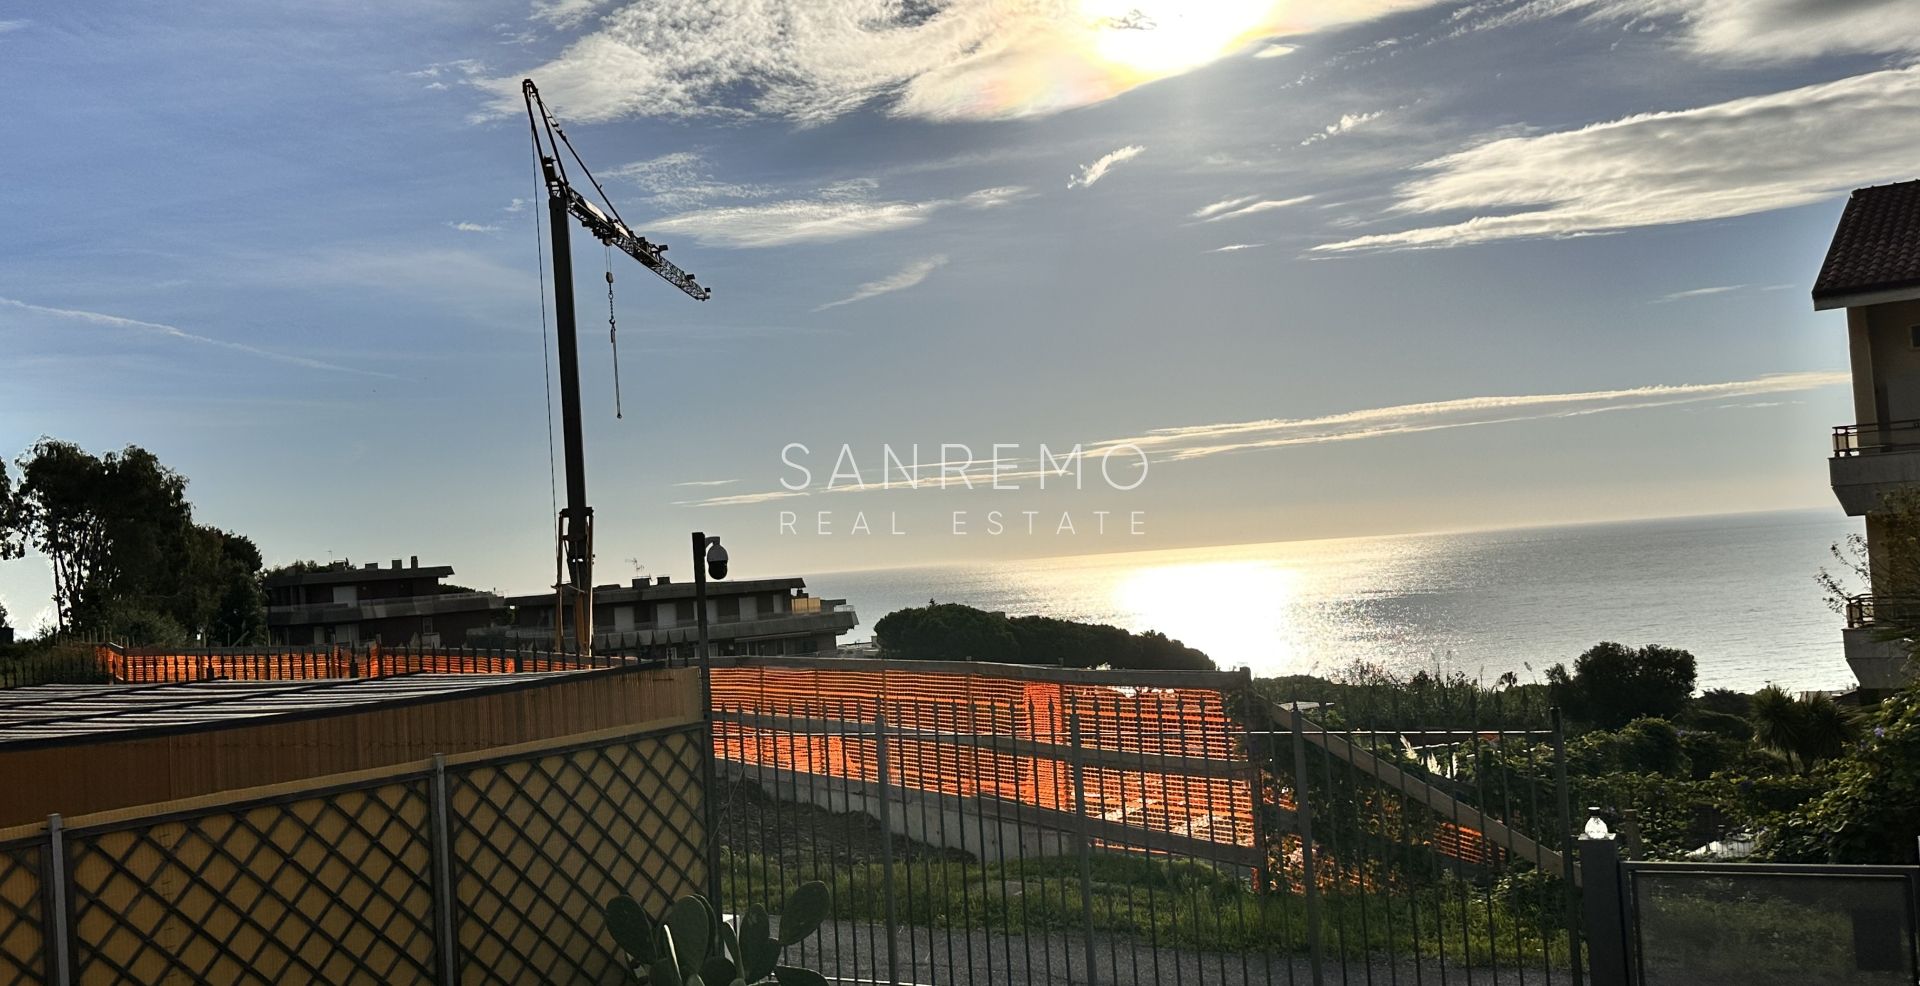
(1876, 247)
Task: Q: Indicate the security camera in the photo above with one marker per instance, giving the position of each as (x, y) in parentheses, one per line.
(716, 559)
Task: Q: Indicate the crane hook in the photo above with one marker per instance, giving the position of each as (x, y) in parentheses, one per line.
(613, 337)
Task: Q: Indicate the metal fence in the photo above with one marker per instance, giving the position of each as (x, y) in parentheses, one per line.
(985, 824)
(486, 868)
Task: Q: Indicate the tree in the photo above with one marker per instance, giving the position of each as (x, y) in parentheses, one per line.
(221, 599)
(1612, 684)
(953, 632)
(1777, 722)
(59, 512)
(127, 557)
(12, 539)
(1803, 732)
(1890, 574)
(1870, 811)
(946, 632)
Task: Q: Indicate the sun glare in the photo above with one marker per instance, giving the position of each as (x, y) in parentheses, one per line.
(1154, 39)
(1240, 607)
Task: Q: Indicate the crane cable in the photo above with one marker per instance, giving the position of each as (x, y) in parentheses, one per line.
(613, 335)
(546, 361)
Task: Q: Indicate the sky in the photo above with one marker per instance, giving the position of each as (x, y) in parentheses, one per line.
(1285, 270)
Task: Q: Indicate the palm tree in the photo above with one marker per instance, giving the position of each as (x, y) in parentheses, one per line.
(1802, 731)
(1826, 730)
(1779, 724)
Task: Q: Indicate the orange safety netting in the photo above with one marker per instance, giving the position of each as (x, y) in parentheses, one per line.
(1166, 760)
(150, 665)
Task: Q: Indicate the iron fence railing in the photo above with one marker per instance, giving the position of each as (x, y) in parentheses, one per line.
(1871, 610)
(1875, 437)
(986, 824)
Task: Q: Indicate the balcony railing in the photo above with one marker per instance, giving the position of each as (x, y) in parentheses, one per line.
(1866, 611)
(1875, 437)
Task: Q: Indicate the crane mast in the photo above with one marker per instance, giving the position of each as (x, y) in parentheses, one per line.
(573, 585)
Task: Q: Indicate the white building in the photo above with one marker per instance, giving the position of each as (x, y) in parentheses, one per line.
(1872, 271)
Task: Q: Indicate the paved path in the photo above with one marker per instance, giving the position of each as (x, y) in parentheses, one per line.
(854, 952)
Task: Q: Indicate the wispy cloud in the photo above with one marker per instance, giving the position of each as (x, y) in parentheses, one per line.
(905, 278)
(1204, 440)
(708, 482)
(1675, 167)
(465, 227)
(1744, 30)
(1264, 205)
(1346, 123)
(8, 27)
(682, 179)
(961, 60)
(565, 13)
(1098, 169)
(1189, 442)
(1233, 247)
(1276, 51)
(1697, 293)
(1221, 206)
(822, 219)
(163, 330)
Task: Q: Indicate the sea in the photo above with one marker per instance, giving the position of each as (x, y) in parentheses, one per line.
(1737, 591)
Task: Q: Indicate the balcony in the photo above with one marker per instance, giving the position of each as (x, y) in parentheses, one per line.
(1870, 460)
(1879, 661)
(386, 608)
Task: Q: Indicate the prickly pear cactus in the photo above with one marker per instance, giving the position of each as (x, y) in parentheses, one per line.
(691, 946)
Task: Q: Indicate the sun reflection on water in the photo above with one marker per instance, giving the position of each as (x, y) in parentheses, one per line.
(1227, 607)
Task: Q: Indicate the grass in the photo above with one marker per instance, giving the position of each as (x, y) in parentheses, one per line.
(1181, 904)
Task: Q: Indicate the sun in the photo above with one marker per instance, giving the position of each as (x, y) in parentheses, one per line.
(1155, 38)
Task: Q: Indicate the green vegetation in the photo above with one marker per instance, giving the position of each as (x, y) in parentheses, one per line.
(691, 946)
(1179, 904)
(1809, 779)
(1612, 684)
(128, 559)
(1869, 810)
(953, 632)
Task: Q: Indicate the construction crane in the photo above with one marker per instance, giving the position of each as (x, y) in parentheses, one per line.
(573, 582)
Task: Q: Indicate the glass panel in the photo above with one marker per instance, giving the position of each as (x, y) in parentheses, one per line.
(1720, 929)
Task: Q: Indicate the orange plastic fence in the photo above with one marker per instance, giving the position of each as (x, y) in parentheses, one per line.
(969, 734)
(153, 665)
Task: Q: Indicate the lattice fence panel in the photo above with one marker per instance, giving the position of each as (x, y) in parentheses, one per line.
(323, 888)
(23, 940)
(540, 844)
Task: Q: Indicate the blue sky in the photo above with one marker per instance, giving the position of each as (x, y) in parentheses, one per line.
(1302, 256)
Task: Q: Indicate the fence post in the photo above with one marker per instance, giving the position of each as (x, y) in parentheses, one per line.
(1603, 900)
(1086, 833)
(58, 945)
(1303, 817)
(709, 779)
(443, 917)
(1566, 846)
(886, 847)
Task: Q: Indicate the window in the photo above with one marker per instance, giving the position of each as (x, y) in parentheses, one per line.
(426, 624)
(1913, 336)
